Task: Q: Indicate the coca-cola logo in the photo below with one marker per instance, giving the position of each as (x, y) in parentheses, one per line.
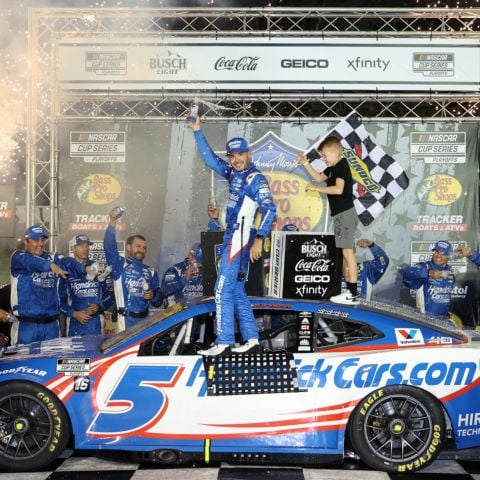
(320, 265)
(240, 64)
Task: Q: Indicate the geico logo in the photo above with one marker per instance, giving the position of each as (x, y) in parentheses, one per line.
(304, 63)
(312, 278)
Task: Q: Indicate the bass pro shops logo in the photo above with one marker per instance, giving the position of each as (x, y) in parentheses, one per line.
(439, 190)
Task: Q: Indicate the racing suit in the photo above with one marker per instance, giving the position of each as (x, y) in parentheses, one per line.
(248, 191)
(177, 288)
(34, 296)
(77, 293)
(433, 296)
(370, 271)
(128, 278)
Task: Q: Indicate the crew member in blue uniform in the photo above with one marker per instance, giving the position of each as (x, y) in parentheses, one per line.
(183, 282)
(34, 277)
(434, 281)
(83, 297)
(248, 192)
(136, 285)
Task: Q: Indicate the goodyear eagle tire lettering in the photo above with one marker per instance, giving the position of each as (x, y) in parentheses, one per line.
(397, 429)
(34, 426)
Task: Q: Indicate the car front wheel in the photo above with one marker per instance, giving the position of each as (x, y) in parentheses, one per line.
(34, 426)
(397, 428)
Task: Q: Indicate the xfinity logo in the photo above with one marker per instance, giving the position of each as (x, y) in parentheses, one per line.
(360, 63)
(304, 63)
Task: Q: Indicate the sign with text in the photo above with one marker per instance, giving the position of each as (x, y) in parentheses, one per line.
(304, 265)
(245, 63)
(7, 210)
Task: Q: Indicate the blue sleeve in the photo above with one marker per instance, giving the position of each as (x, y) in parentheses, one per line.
(374, 269)
(111, 252)
(415, 276)
(106, 296)
(211, 160)
(475, 258)
(214, 225)
(260, 192)
(26, 263)
(173, 282)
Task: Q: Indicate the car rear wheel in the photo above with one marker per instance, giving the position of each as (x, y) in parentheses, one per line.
(34, 426)
(397, 429)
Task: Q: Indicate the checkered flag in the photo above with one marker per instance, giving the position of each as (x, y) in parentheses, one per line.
(377, 177)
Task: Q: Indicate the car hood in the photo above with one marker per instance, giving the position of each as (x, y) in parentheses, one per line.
(86, 346)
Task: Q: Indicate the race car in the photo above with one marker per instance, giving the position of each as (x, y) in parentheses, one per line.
(376, 382)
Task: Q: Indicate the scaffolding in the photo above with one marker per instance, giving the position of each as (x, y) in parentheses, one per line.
(49, 106)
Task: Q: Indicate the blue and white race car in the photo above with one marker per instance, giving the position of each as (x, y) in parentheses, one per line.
(373, 382)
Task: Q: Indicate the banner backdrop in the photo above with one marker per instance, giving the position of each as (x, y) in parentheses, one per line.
(154, 170)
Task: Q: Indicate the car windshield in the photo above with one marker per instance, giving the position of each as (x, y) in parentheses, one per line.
(152, 319)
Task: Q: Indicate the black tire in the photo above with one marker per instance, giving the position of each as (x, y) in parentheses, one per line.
(397, 429)
(34, 426)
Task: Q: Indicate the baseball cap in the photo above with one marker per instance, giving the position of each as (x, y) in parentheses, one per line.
(35, 232)
(444, 247)
(79, 239)
(290, 227)
(237, 145)
(197, 252)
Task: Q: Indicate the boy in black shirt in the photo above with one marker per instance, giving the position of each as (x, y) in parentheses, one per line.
(339, 192)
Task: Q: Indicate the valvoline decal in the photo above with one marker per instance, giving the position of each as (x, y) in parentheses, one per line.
(356, 373)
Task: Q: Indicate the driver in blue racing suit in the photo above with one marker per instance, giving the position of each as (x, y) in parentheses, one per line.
(248, 192)
(434, 281)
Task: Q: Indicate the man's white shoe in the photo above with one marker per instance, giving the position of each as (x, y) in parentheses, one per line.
(221, 348)
(250, 344)
(346, 298)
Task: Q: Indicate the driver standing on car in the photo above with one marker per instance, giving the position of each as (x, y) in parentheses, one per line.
(248, 191)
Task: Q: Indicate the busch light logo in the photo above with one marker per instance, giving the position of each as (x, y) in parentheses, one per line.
(168, 64)
(313, 249)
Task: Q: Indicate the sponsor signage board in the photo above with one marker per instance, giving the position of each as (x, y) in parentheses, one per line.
(98, 147)
(7, 210)
(304, 265)
(436, 147)
(245, 63)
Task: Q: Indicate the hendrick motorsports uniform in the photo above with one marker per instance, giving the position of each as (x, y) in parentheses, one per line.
(370, 271)
(248, 191)
(34, 296)
(77, 293)
(433, 296)
(128, 278)
(177, 288)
